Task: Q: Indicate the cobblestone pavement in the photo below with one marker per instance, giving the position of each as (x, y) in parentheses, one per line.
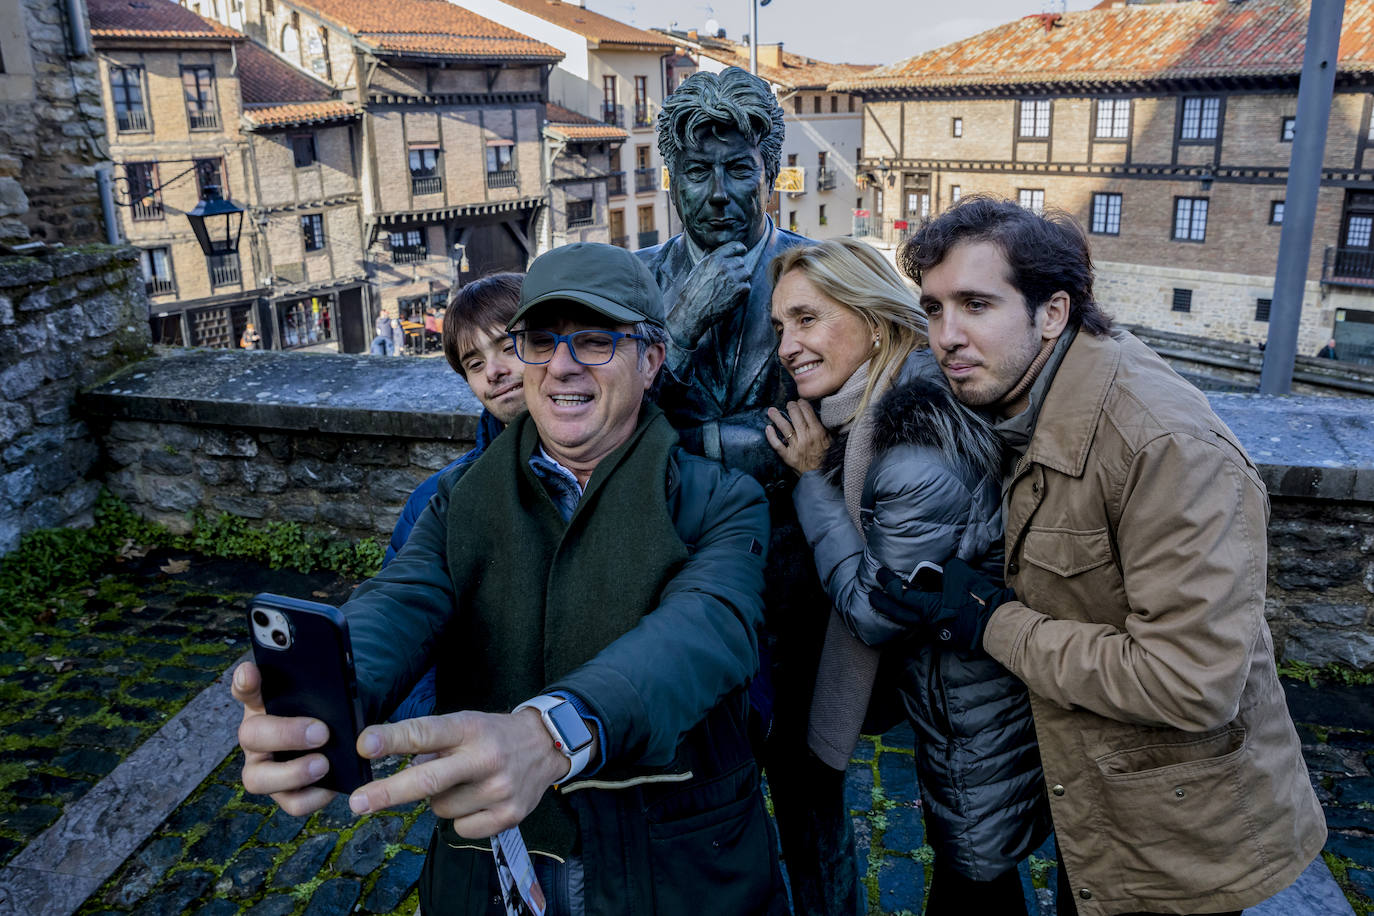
(73, 706)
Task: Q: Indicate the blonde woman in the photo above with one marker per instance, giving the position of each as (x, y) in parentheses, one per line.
(894, 471)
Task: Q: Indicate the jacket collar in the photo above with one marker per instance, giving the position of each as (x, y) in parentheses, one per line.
(1068, 419)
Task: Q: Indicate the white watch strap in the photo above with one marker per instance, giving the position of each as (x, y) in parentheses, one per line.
(577, 760)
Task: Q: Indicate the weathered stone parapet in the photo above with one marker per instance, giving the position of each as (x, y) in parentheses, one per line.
(332, 441)
(67, 319)
(339, 441)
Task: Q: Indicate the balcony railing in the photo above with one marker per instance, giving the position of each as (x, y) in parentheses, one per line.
(648, 239)
(646, 180)
(147, 209)
(577, 222)
(426, 184)
(506, 178)
(825, 179)
(615, 184)
(132, 120)
(613, 114)
(409, 254)
(160, 286)
(620, 241)
(204, 120)
(642, 116)
(1348, 266)
(224, 269)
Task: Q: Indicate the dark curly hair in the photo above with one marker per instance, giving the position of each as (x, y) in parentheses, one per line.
(1045, 254)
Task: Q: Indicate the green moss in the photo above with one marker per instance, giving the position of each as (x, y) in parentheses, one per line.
(1042, 871)
(1330, 673)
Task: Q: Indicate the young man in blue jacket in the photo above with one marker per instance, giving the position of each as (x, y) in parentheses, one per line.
(478, 348)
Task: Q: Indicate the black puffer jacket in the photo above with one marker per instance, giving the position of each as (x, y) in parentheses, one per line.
(931, 493)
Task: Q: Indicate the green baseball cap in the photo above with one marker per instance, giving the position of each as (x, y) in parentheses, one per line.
(607, 279)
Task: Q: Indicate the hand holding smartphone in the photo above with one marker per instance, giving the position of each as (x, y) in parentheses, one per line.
(303, 654)
(928, 577)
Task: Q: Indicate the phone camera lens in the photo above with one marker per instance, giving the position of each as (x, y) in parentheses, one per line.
(260, 618)
(279, 637)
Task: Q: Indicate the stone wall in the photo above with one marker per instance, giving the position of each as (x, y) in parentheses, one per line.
(332, 441)
(340, 441)
(1321, 581)
(52, 130)
(67, 320)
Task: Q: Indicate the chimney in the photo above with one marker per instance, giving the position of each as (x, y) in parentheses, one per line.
(771, 55)
(692, 34)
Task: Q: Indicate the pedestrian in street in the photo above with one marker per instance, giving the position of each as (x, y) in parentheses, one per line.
(1136, 570)
(1328, 351)
(894, 472)
(250, 339)
(383, 343)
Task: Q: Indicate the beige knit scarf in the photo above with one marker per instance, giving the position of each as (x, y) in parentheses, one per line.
(848, 666)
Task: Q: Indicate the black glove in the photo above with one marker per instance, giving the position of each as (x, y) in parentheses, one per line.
(955, 616)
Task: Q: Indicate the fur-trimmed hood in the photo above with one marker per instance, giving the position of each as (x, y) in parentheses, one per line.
(920, 409)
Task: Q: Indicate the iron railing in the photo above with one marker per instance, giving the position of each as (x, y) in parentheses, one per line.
(648, 239)
(148, 208)
(613, 114)
(615, 184)
(825, 179)
(426, 184)
(203, 120)
(224, 269)
(160, 286)
(620, 241)
(646, 180)
(1348, 266)
(506, 178)
(409, 254)
(642, 116)
(132, 120)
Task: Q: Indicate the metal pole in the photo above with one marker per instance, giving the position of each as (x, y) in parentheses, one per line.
(754, 37)
(1300, 200)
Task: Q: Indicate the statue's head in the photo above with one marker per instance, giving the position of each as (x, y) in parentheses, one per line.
(721, 137)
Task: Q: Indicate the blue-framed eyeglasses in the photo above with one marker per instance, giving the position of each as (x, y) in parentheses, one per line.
(589, 347)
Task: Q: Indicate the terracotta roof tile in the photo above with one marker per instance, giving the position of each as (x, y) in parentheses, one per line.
(434, 28)
(590, 24)
(153, 19)
(301, 113)
(574, 126)
(1133, 42)
(266, 79)
(797, 71)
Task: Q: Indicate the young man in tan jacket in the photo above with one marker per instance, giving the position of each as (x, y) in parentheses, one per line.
(1135, 571)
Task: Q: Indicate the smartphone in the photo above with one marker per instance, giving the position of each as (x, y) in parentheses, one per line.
(302, 650)
(928, 577)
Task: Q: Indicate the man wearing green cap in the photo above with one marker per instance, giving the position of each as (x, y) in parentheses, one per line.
(597, 637)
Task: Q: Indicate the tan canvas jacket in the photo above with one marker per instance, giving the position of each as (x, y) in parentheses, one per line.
(1136, 542)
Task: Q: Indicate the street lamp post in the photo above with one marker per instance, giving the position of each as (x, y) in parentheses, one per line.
(216, 222)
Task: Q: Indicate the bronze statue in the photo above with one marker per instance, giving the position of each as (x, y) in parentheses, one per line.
(721, 136)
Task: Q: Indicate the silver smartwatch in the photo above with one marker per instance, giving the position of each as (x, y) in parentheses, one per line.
(570, 734)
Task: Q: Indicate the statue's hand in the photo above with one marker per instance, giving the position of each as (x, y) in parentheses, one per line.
(709, 293)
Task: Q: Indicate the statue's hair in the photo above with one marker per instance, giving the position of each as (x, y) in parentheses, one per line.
(731, 100)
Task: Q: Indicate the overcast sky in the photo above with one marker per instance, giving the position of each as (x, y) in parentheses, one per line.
(853, 31)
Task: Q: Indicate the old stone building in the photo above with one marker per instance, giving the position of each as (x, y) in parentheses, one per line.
(579, 154)
(307, 207)
(1165, 129)
(449, 141)
(816, 195)
(614, 73)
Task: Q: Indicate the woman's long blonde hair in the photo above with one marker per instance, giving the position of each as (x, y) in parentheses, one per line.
(859, 278)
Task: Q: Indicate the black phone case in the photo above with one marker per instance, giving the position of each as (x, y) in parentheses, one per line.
(314, 677)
